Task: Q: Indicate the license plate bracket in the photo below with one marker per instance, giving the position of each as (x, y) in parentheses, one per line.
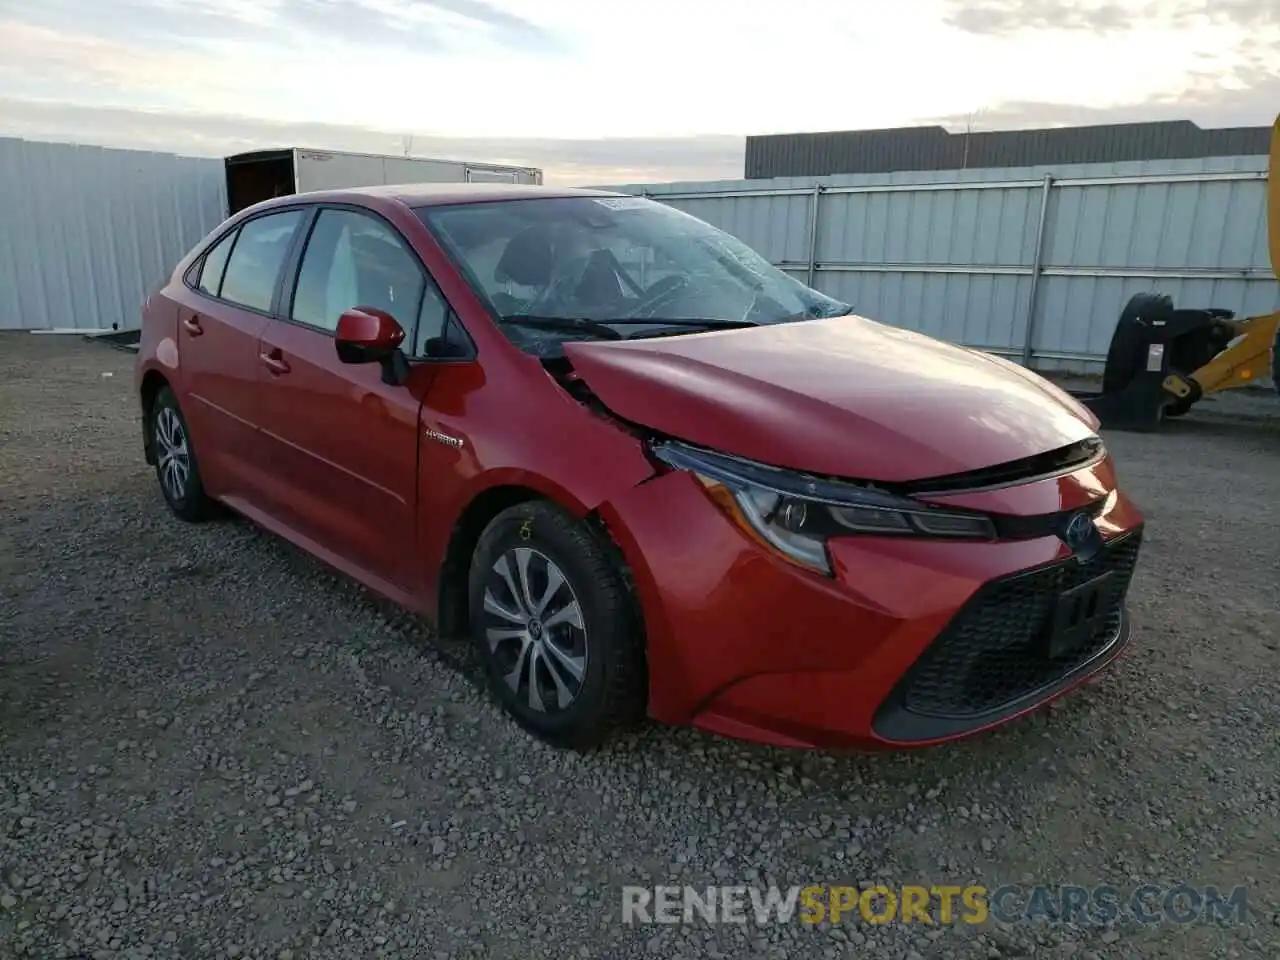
(1078, 614)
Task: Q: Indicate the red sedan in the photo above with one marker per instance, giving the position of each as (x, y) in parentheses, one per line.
(645, 470)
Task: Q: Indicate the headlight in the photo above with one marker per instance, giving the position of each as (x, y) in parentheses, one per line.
(796, 514)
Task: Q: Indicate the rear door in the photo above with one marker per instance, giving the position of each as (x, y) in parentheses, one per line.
(343, 445)
(222, 310)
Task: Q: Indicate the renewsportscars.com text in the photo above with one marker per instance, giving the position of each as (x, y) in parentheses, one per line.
(934, 905)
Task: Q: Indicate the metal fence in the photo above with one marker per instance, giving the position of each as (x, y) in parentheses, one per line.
(87, 233)
(1030, 263)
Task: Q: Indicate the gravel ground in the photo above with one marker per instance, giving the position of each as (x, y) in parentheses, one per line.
(212, 747)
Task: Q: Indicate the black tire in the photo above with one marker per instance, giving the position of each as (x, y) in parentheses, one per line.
(610, 692)
(186, 498)
(1128, 351)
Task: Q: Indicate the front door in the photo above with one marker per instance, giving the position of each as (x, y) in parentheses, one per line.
(341, 445)
(221, 317)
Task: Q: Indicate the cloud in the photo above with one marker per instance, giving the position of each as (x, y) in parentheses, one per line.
(1256, 107)
(354, 62)
(564, 161)
(516, 79)
(1004, 17)
(518, 29)
(45, 56)
(418, 26)
(1246, 93)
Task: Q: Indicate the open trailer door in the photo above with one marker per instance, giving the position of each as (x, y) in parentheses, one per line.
(259, 175)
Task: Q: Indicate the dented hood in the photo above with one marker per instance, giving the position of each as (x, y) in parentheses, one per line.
(845, 397)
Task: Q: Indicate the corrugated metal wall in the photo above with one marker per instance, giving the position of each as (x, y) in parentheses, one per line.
(87, 233)
(1004, 259)
(936, 148)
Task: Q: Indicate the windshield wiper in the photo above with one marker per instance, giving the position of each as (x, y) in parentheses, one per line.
(574, 324)
(601, 328)
(707, 324)
(811, 315)
(845, 311)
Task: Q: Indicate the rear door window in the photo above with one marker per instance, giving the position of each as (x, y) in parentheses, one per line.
(254, 267)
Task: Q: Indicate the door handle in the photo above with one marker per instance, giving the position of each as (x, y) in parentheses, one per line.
(274, 362)
(192, 323)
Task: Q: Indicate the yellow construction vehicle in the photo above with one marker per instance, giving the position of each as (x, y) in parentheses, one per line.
(1162, 360)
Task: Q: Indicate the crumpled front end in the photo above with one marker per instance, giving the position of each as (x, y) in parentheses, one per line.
(910, 641)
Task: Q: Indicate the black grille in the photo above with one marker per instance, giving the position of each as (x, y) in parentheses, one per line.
(994, 652)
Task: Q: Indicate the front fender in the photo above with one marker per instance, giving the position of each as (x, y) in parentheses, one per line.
(525, 434)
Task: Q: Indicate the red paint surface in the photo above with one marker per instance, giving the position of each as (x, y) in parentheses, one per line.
(845, 397)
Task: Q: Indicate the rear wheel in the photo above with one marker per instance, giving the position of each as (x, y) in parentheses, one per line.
(556, 626)
(176, 466)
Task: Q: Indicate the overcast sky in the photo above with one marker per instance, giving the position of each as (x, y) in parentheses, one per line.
(610, 91)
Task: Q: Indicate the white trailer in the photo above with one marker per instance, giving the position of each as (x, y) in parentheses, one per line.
(263, 174)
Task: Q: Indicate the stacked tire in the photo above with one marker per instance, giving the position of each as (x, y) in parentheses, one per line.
(1128, 351)
(1188, 353)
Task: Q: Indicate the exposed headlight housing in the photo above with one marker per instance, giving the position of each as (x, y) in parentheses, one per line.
(796, 514)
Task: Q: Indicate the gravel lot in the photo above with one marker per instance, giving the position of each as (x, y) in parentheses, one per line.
(212, 747)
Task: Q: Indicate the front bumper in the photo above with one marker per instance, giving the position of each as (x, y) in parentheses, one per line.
(912, 642)
(990, 663)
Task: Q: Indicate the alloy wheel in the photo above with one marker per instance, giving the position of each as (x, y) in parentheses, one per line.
(534, 629)
(174, 453)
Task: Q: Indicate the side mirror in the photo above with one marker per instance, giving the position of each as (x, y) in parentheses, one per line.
(370, 335)
(367, 335)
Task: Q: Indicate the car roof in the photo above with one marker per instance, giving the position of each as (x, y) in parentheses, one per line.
(435, 194)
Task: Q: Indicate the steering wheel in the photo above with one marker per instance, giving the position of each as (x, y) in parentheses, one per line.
(505, 303)
(658, 294)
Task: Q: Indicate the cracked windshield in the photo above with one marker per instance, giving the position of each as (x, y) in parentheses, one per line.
(608, 267)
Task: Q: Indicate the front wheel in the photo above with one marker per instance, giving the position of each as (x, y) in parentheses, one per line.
(556, 626)
(176, 465)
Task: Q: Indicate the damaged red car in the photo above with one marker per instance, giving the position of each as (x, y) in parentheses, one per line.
(644, 470)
